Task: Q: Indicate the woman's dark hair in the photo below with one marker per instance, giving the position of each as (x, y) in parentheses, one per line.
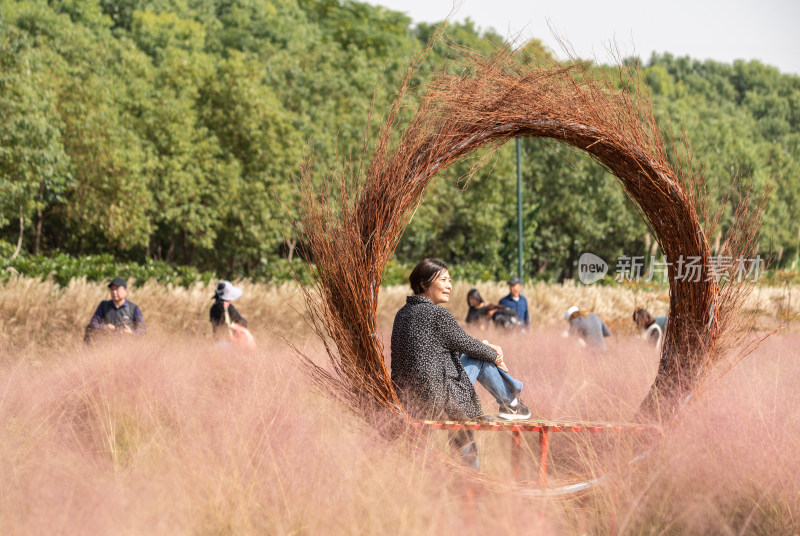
(218, 290)
(424, 274)
(643, 318)
(473, 293)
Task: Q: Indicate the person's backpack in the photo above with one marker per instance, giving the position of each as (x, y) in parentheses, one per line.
(505, 317)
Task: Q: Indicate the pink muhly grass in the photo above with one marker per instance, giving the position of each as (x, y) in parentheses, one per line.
(731, 464)
(170, 436)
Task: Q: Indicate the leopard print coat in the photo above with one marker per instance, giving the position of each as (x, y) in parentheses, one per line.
(427, 344)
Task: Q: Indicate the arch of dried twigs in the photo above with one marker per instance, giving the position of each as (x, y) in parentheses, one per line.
(353, 223)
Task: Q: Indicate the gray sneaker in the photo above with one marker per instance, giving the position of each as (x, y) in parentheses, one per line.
(517, 412)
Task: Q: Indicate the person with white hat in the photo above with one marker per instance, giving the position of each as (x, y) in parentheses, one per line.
(587, 327)
(223, 313)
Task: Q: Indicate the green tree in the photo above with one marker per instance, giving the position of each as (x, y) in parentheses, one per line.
(33, 164)
(259, 135)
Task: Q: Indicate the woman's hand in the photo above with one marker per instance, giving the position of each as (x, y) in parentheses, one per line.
(496, 349)
(499, 361)
(500, 364)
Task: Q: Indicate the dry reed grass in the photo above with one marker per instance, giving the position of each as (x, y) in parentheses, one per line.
(768, 308)
(36, 316)
(169, 436)
(41, 315)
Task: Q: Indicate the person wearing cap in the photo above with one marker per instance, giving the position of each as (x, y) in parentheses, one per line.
(223, 313)
(587, 327)
(516, 301)
(117, 315)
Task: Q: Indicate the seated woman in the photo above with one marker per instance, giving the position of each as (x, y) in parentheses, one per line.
(434, 362)
(477, 308)
(481, 313)
(588, 327)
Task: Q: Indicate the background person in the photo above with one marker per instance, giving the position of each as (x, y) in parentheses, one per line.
(481, 313)
(652, 328)
(427, 346)
(516, 301)
(117, 315)
(223, 313)
(588, 327)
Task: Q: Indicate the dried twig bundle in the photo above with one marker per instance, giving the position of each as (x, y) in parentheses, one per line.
(489, 102)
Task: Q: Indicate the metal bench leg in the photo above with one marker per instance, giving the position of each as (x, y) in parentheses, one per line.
(470, 504)
(516, 437)
(543, 460)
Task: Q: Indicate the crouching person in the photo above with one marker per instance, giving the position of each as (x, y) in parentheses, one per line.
(116, 316)
(589, 329)
(652, 328)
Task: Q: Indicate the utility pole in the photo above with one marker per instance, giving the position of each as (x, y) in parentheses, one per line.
(519, 211)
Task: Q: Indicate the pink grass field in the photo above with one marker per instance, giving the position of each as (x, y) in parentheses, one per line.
(170, 436)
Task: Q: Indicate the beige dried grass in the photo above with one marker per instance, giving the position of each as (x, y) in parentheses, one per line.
(36, 315)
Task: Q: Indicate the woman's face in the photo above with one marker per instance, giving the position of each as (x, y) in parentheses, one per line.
(439, 291)
(473, 301)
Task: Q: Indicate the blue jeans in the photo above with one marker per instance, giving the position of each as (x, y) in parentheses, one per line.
(501, 385)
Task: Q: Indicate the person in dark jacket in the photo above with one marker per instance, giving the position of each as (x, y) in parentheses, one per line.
(427, 348)
(223, 296)
(516, 301)
(116, 316)
(589, 329)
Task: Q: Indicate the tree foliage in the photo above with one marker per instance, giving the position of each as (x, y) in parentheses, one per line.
(174, 130)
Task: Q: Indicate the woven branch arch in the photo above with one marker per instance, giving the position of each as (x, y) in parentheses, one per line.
(491, 101)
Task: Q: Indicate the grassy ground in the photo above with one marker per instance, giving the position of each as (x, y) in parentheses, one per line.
(168, 435)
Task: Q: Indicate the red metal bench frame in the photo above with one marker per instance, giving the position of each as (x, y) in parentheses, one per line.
(543, 427)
